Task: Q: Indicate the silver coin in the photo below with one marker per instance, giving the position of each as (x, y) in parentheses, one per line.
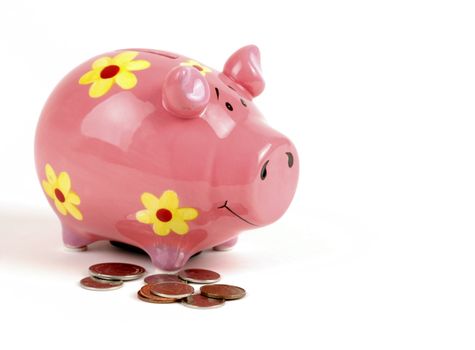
(94, 284)
(116, 271)
(162, 277)
(199, 276)
(199, 301)
(174, 290)
(107, 280)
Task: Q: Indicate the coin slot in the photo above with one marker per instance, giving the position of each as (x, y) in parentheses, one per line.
(158, 52)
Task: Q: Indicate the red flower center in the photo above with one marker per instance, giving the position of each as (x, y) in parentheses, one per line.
(109, 71)
(59, 195)
(198, 67)
(164, 215)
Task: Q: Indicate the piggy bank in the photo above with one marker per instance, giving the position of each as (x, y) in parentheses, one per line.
(159, 151)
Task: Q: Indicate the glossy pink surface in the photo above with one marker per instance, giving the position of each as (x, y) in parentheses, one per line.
(179, 128)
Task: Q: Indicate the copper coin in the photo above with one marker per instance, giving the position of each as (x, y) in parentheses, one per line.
(162, 277)
(176, 290)
(199, 301)
(94, 284)
(117, 271)
(223, 291)
(145, 294)
(199, 276)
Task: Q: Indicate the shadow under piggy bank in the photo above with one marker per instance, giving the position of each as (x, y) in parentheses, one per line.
(32, 241)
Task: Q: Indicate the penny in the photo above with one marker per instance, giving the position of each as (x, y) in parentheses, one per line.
(199, 301)
(117, 271)
(162, 277)
(94, 284)
(145, 294)
(176, 290)
(199, 276)
(223, 291)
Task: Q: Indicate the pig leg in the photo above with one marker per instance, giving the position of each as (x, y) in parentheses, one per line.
(226, 245)
(168, 258)
(74, 240)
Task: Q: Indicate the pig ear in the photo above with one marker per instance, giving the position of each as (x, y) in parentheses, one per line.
(244, 67)
(185, 92)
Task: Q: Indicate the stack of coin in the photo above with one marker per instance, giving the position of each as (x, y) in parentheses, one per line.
(169, 288)
(165, 288)
(111, 275)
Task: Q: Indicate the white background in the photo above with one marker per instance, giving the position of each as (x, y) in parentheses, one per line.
(377, 249)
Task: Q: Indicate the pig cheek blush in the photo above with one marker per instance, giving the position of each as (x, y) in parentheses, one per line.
(159, 151)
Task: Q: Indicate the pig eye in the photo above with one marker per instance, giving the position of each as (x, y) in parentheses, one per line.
(243, 103)
(229, 106)
(264, 171)
(290, 160)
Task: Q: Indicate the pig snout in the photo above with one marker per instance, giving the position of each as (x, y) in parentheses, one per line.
(275, 183)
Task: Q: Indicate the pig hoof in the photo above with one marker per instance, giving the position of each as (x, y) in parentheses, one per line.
(75, 249)
(168, 259)
(228, 245)
(74, 241)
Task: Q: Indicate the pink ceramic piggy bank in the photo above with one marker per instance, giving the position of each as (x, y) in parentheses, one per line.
(156, 150)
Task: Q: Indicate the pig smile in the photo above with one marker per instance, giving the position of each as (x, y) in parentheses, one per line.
(234, 213)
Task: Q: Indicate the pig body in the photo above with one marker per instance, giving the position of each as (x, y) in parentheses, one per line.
(156, 150)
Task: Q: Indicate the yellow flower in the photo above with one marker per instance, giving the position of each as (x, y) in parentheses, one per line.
(192, 63)
(164, 214)
(58, 188)
(106, 71)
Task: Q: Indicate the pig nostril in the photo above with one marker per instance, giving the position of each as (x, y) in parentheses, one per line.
(290, 160)
(264, 170)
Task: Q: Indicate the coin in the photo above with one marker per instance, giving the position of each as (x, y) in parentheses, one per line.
(94, 284)
(162, 277)
(199, 301)
(176, 290)
(106, 280)
(199, 276)
(223, 291)
(117, 271)
(145, 294)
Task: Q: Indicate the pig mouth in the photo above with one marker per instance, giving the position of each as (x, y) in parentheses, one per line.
(225, 205)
